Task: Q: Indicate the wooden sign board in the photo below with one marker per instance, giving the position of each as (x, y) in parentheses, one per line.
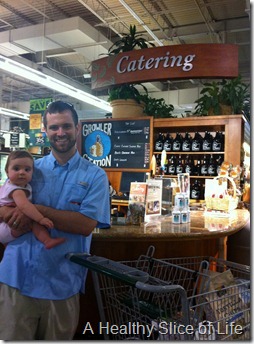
(186, 61)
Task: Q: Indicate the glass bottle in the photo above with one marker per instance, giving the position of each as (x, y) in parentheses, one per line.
(196, 190)
(198, 168)
(207, 142)
(196, 144)
(172, 165)
(177, 143)
(159, 142)
(166, 166)
(179, 165)
(217, 144)
(158, 163)
(186, 146)
(167, 146)
(212, 166)
(189, 165)
(204, 167)
(219, 162)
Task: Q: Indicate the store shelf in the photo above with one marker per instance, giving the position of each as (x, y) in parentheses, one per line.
(232, 126)
(191, 153)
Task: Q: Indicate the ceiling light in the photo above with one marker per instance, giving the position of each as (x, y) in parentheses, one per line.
(14, 113)
(34, 75)
(134, 14)
(87, 76)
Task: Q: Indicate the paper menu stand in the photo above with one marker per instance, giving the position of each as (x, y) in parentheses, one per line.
(169, 187)
(137, 202)
(153, 199)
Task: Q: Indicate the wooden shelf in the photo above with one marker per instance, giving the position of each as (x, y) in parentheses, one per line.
(232, 126)
(191, 152)
(192, 176)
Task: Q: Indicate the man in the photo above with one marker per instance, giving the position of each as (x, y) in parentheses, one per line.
(39, 288)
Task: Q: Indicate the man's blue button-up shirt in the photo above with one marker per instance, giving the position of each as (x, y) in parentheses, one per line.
(27, 265)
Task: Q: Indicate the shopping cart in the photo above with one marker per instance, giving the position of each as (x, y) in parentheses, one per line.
(169, 299)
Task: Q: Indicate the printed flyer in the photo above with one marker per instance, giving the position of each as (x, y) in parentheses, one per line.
(153, 199)
(137, 202)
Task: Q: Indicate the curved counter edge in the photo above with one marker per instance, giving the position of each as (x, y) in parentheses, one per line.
(202, 226)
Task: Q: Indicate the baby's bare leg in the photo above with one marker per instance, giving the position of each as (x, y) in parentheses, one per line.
(42, 234)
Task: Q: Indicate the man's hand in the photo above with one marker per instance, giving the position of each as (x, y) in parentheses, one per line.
(16, 220)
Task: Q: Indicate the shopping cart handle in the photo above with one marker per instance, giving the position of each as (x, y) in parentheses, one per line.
(83, 255)
(161, 288)
(109, 267)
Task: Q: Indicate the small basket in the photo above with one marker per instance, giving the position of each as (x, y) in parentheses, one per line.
(225, 204)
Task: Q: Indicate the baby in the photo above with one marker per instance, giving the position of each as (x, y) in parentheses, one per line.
(17, 190)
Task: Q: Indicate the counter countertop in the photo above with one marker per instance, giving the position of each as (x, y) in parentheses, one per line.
(202, 226)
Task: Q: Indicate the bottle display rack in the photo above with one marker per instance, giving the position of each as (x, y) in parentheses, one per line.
(231, 127)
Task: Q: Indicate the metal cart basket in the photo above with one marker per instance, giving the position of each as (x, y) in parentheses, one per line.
(170, 299)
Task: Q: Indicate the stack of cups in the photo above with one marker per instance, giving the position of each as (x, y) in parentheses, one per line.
(181, 210)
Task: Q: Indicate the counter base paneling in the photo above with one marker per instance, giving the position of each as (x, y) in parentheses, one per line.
(132, 249)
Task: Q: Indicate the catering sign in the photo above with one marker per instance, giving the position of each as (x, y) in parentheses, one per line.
(166, 63)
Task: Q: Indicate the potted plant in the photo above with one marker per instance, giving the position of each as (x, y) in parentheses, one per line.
(142, 103)
(126, 100)
(129, 41)
(121, 96)
(126, 91)
(209, 100)
(157, 107)
(223, 97)
(234, 93)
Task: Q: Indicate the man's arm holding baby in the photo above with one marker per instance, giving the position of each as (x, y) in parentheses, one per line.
(68, 221)
(15, 219)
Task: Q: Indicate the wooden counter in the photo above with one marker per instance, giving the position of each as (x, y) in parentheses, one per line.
(202, 225)
(204, 236)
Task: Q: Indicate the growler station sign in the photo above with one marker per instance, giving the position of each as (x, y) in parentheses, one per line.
(166, 63)
(114, 144)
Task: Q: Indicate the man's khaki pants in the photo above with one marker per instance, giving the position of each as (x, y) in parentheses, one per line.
(26, 318)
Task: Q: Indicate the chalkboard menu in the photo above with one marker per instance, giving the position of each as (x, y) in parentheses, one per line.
(14, 139)
(118, 144)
